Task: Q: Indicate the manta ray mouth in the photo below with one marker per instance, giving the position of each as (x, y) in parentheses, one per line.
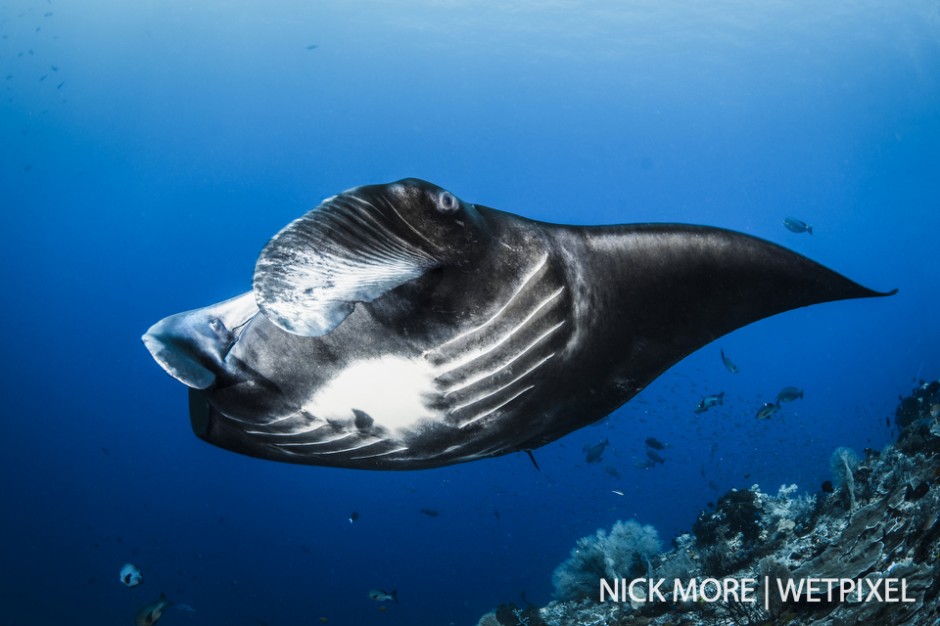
(177, 359)
(189, 346)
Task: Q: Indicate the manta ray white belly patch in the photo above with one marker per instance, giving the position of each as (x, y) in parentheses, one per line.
(390, 389)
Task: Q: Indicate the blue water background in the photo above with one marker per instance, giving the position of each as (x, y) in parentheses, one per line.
(141, 175)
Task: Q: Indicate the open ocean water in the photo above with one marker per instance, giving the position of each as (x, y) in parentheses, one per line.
(151, 149)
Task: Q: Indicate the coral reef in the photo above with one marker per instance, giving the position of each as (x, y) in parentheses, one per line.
(843, 464)
(878, 529)
(625, 552)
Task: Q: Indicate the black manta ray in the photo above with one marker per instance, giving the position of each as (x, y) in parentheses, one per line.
(398, 327)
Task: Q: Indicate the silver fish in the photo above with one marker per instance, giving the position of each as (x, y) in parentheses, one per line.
(377, 595)
(797, 226)
(709, 401)
(768, 410)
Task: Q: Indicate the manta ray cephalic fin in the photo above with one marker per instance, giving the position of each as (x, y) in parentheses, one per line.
(310, 275)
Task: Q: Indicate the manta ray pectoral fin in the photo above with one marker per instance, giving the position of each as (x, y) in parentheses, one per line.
(310, 275)
(684, 286)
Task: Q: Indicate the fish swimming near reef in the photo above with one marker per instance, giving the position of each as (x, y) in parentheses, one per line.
(789, 394)
(396, 326)
(709, 401)
(767, 410)
(592, 454)
(655, 444)
(797, 226)
(654, 456)
(149, 614)
(377, 595)
(131, 575)
(729, 364)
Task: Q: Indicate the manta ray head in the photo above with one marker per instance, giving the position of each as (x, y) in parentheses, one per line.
(262, 360)
(354, 247)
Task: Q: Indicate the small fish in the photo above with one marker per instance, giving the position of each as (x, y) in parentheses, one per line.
(610, 470)
(654, 457)
(131, 575)
(592, 454)
(643, 464)
(935, 411)
(729, 364)
(767, 411)
(654, 443)
(54, 68)
(789, 394)
(378, 595)
(312, 46)
(616, 491)
(150, 613)
(709, 401)
(353, 517)
(797, 226)
(430, 512)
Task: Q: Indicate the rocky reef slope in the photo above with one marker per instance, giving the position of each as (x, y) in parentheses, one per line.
(876, 532)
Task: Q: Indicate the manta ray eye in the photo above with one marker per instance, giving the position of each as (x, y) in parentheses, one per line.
(447, 203)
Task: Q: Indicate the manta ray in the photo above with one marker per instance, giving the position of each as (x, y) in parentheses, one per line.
(396, 326)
